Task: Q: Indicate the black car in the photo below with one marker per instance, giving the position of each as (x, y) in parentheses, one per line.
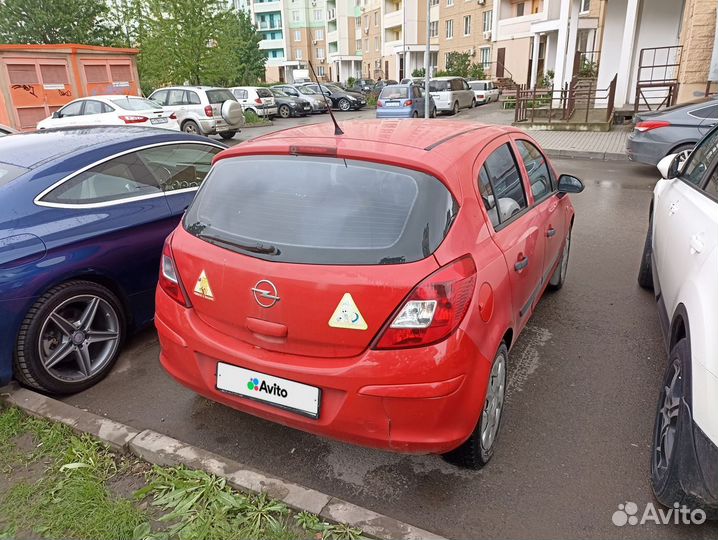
(362, 85)
(288, 106)
(344, 100)
(379, 86)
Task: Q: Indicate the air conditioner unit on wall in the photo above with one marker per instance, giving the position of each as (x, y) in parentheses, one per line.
(472, 51)
(314, 42)
(366, 30)
(487, 35)
(482, 2)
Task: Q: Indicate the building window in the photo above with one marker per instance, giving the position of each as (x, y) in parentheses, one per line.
(376, 18)
(449, 28)
(520, 9)
(449, 2)
(366, 21)
(488, 20)
(319, 34)
(467, 25)
(297, 35)
(366, 44)
(434, 2)
(295, 15)
(318, 15)
(434, 29)
(358, 44)
(320, 71)
(485, 57)
(376, 43)
(585, 6)
(297, 54)
(320, 53)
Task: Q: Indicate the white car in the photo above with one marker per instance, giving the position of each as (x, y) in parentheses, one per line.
(451, 94)
(112, 110)
(484, 91)
(680, 264)
(259, 100)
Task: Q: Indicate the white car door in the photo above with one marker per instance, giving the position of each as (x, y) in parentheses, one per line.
(99, 114)
(69, 115)
(685, 221)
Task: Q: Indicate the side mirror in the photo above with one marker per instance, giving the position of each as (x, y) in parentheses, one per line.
(569, 184)
(671, 165)
(56, 114)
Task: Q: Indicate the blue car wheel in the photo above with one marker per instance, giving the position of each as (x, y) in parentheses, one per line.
(70, 338)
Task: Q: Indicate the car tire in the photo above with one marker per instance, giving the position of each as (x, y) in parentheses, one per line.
(284, 111)
(669, 428)
(455, 108)
(415, 114)
(344, 105)
(433, 112)
(227, 135)
(478, 449)
(645, 271)
(86, 349)
(558, 278)
(473, 103)
(191, 127)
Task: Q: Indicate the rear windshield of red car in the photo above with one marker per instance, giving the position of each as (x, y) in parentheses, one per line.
(317, 210)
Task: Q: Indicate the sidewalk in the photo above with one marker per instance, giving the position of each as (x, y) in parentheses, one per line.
(608, 146)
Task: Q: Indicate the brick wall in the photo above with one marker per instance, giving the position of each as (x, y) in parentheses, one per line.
(697, 38)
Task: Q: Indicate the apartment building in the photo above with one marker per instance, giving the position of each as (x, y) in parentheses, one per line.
(344, 52)
(404, 32)
(464, 26)
(307, 31)
(372, 42)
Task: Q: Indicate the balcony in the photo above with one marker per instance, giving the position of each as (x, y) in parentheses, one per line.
(518, 27)
(274, 25)
(393, 19)
(267, 7)
(331, 14)
(266, 44)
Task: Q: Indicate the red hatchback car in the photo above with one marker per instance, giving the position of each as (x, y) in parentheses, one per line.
(366, 286)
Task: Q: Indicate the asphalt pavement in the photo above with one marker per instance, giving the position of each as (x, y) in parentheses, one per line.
(575, 441)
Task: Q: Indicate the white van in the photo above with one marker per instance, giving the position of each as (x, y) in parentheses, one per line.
(451, 94)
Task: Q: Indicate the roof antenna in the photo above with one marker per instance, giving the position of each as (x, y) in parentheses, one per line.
(337, 129)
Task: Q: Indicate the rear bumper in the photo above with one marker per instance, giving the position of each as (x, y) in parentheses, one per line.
(399, 112)
(267, 111)
(378, 399)
(642, 150)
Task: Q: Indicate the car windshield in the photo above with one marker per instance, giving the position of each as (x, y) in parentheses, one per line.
(264, 92)
(278, 93)
(321, 210)
(477, 86)
(135, 104)
(10, 172)
(307, 91)
(394, 92)
(220, 95)
(439, 86)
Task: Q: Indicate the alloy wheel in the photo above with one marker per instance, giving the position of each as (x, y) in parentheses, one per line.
(667, 421)
(79, 337)
(190, 128)
(494, 404)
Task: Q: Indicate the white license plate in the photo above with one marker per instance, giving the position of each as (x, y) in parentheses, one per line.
(158, 120)
(297, 397)
(393, 104)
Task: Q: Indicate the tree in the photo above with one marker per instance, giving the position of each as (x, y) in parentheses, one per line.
(198, 42)
(421, 72)
(56, 21)
(457, 64)
(476, 72)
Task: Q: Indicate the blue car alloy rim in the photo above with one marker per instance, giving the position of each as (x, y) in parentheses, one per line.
(79, 338)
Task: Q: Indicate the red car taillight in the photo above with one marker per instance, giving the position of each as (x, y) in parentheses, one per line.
(133, 119)
(258, 101)
(408, 103)
(169, 277)
(434, 309)
(649, 125)
(208, 110)
(379, 104)
(173, 116)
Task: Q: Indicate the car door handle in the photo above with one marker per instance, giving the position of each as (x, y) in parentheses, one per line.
(673, 208)
(551, 232)
(521, 264)
(696, 244)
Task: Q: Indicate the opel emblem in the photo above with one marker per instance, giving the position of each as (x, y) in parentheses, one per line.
(265, 293)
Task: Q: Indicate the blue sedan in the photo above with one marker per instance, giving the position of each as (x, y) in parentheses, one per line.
(85, 215)
(403, 101)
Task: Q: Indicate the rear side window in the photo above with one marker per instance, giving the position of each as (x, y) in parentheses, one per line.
(506, 181)
(321, 210)
(219, 95)
(706, 112)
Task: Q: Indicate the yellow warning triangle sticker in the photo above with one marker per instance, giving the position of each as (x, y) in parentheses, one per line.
(347, 315)
(202, 287)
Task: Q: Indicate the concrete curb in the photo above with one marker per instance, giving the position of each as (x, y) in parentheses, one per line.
(160, 449)
(585, 154)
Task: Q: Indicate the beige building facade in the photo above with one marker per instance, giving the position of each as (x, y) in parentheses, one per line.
(465, 26)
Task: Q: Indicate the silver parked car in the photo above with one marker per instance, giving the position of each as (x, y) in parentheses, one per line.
(670, 131)
(451, 94)
(319, 103)
(202, 109)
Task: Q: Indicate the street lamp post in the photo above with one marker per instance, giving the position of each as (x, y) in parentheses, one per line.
(427, 63)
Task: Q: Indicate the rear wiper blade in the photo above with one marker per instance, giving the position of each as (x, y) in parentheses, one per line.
(252, 248)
